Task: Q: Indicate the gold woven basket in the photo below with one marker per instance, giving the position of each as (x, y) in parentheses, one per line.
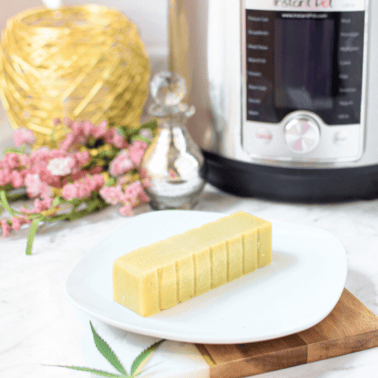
(82, 62)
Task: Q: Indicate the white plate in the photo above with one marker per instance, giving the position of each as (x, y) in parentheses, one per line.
(296, 291)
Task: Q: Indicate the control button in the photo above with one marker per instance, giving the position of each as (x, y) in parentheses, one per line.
(254, 100)
(341, 137)
(264, 135)
(343, 117)
(258, 47)
(302, 135)
(262, 88)
(257, 60)
(258, 32)
(253, 113)
(348, 90)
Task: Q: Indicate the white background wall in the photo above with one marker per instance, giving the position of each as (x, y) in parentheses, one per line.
(149, 15)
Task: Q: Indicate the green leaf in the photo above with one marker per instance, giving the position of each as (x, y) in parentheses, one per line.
(92, 141)
(4, 203)
(104, 154)
(32, 232)
(15, 150)
(56, 218)
(143, 357)
(93, 205)
(142, 138)
(105, 350)
(57, 201)
(122, 131)
(17, 196)
(93, 371)
(152, 125)
(111, 182)
(76, 202)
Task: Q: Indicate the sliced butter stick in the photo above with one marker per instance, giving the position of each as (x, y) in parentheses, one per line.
(174, 270)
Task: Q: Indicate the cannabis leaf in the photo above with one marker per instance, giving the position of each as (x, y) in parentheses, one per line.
(142, 358)
(108, 353)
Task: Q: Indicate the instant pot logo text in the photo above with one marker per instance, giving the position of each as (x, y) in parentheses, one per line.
(311, 4)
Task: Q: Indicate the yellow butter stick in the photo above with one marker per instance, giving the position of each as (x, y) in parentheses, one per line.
(165, 273)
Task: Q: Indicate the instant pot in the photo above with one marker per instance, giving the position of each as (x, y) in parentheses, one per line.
(286, 93)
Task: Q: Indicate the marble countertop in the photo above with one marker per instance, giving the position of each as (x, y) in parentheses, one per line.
(39, 326)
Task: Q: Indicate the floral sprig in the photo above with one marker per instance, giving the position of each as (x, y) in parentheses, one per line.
(94, 166)
(108, 353)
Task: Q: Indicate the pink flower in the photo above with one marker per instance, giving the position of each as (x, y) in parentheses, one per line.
(135, 194)
(50, 179)
(11, 161)
(137, 150)
(143, 197)
(16, 179)
(127, 210)
(83, 131)
(100, 130)
(88, 128)
(136, 190)
(112, 195)
(69, 192)
(22, 136)
(96, 170)
(131, 192)
(121, 164)
(61, 166)
(145, 178)
(82, 158)
(24, 160)
(124, 180)
(5, 227)
(55, 154)
(35, 187)
(77, 128)
(47, 202)
(5, 176)
(39, 206)
(116, 139)
(68, 142)
(83, 188)
(40, 154)
(17, 223)
(146, 182)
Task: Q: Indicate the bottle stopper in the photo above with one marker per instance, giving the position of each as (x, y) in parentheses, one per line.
(168, 89)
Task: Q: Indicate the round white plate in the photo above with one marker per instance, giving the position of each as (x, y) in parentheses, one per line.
(296, 291)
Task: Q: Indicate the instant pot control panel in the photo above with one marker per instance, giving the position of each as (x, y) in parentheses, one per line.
(304, 79)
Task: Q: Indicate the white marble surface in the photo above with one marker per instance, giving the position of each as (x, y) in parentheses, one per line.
(39, 326)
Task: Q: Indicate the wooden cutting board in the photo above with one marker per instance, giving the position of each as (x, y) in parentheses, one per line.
(349, 328)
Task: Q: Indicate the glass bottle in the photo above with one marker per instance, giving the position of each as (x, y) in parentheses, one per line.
(173, 162)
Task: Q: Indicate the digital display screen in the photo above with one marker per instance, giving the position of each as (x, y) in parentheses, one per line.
(310, 61)
(305, 64)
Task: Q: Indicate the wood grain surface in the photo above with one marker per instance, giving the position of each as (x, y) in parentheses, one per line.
(349, 328)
